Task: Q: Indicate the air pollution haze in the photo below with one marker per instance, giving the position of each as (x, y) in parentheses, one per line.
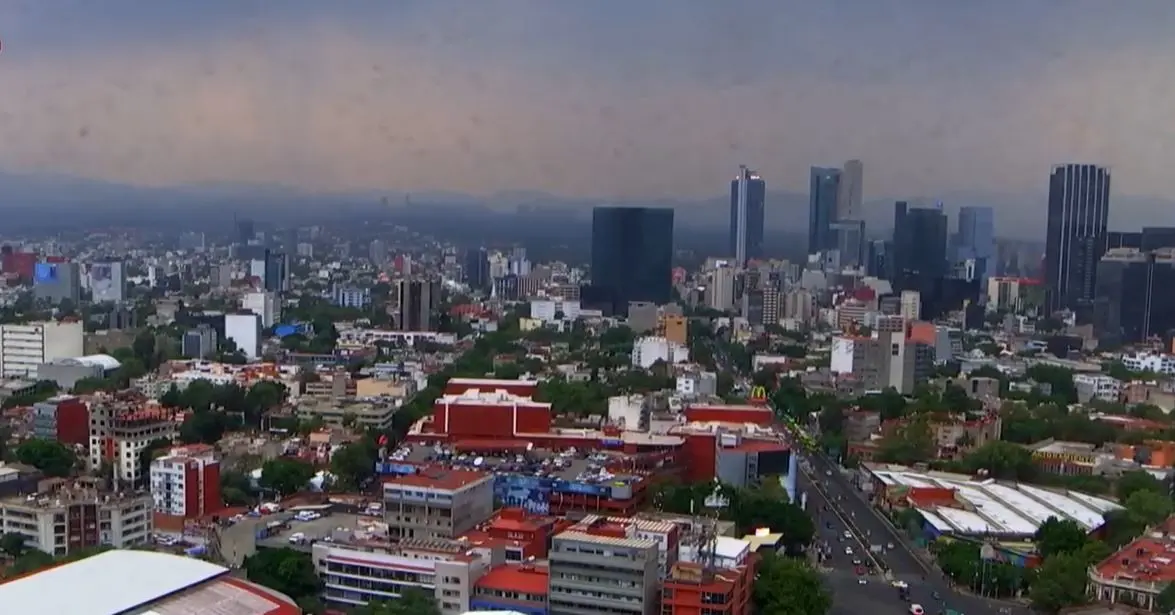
(608, 100)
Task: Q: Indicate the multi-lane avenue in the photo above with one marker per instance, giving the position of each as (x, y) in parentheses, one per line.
(838, 507)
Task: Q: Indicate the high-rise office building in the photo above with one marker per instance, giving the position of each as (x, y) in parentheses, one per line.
(108, 282)
(849, 238)
(848, 197)
(823, 192)
(976, 240)
(477, 268)
(632, 255)
(1079, 208)
(920, 243)
(245, 231)
(418, 304)
(56, 282)
(1135, 295)
(748, 194)
(1155, 237)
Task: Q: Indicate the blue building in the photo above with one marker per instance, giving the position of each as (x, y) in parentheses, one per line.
(351, 297)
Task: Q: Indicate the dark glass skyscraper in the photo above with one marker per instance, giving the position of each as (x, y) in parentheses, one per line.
(1079, 208)
(920, 242)
(477, 268)
(822, 195)
(976, 240)
(1135, 295)
(632, 254)
(748, 194)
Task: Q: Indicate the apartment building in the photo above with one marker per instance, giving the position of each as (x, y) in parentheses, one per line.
(366, 415)
(437, 502)
(63, 517)
(63, 418)
(23, 348)
(609, 570)
(185, 482)
(121, 426)
(354, 575)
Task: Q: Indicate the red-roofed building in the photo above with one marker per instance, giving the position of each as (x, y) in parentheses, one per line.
(1139, 572)
(525, 389)
(706, 413)
(512, 587)
(691, 590)
(121, 426)
(437, 502)
(530, 533)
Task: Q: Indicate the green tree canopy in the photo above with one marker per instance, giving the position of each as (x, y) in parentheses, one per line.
(788, 586)
(354, 463)
(412, 601)
(284, 570)
(1055, 536)
(49, 456)
(286, 475)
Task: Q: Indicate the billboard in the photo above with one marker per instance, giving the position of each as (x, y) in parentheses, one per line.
(394, 469)
(45, 273)
(530, 493)
(570, 487)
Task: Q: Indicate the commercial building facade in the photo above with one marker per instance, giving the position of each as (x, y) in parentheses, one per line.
(23, 348)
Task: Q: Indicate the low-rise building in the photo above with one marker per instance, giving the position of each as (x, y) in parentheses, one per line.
(608, 570)
(366, 415)
(185, 482)
(64, 516)
(437, 502)
(357, 573)
(1138, 572)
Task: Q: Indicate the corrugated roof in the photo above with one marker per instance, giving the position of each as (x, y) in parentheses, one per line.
(110, 582)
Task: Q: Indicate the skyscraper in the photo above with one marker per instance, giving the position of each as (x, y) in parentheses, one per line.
(1079, 208)
(418, 303)
(632, 254)
(823, 192)
(920, 243)
(748, 193)
(477, 268)
(976, 240)
(848, 197)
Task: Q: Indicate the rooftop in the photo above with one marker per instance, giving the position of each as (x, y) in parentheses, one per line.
(991, 507)
(98, 585)
(1149, 559)
(632, 543)
(521, 578)
(437, 478)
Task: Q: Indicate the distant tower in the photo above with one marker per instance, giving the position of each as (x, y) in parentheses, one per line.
(848, 196)
(748, 193)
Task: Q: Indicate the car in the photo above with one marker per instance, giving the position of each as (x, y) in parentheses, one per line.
(889, 545)
(862, 581)
(848, 550)
(847, 534)
(856, 561)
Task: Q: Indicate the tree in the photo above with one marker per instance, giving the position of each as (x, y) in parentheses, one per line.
(908, 443)
(12, 544)
(285, 475)
(787, 586)
(204, 426)
(1148, 507)
(751, 509)
(153, 449)
(354, 463)
(1055, 536)
(1002, 460)
(49, 456)
(235, 488)
(412, 601)
(1166, 600)
(284, 570)
(1060, 582)
(1131, 482)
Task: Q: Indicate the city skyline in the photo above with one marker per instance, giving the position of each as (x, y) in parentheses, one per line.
(425, 97)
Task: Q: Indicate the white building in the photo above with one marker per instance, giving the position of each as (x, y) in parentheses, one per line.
(696, 383)
(108, 281)
(841, 358)
(910, 305)
(1150, 362)
(245, 331)
(648, 350)
(25, 347)
(115, 519)
(1097, 386)
(186, 482)
(548, 310)
(121, 430)
(265, 305)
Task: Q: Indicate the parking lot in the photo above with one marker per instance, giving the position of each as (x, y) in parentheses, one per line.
(311, 531)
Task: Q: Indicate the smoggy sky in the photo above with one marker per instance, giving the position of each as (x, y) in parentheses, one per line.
(600, 98)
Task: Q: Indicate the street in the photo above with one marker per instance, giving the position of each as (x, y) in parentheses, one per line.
(833, 501)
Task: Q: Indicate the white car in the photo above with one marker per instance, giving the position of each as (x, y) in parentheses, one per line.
(862, 581)
(848, 534)
(848, 550)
